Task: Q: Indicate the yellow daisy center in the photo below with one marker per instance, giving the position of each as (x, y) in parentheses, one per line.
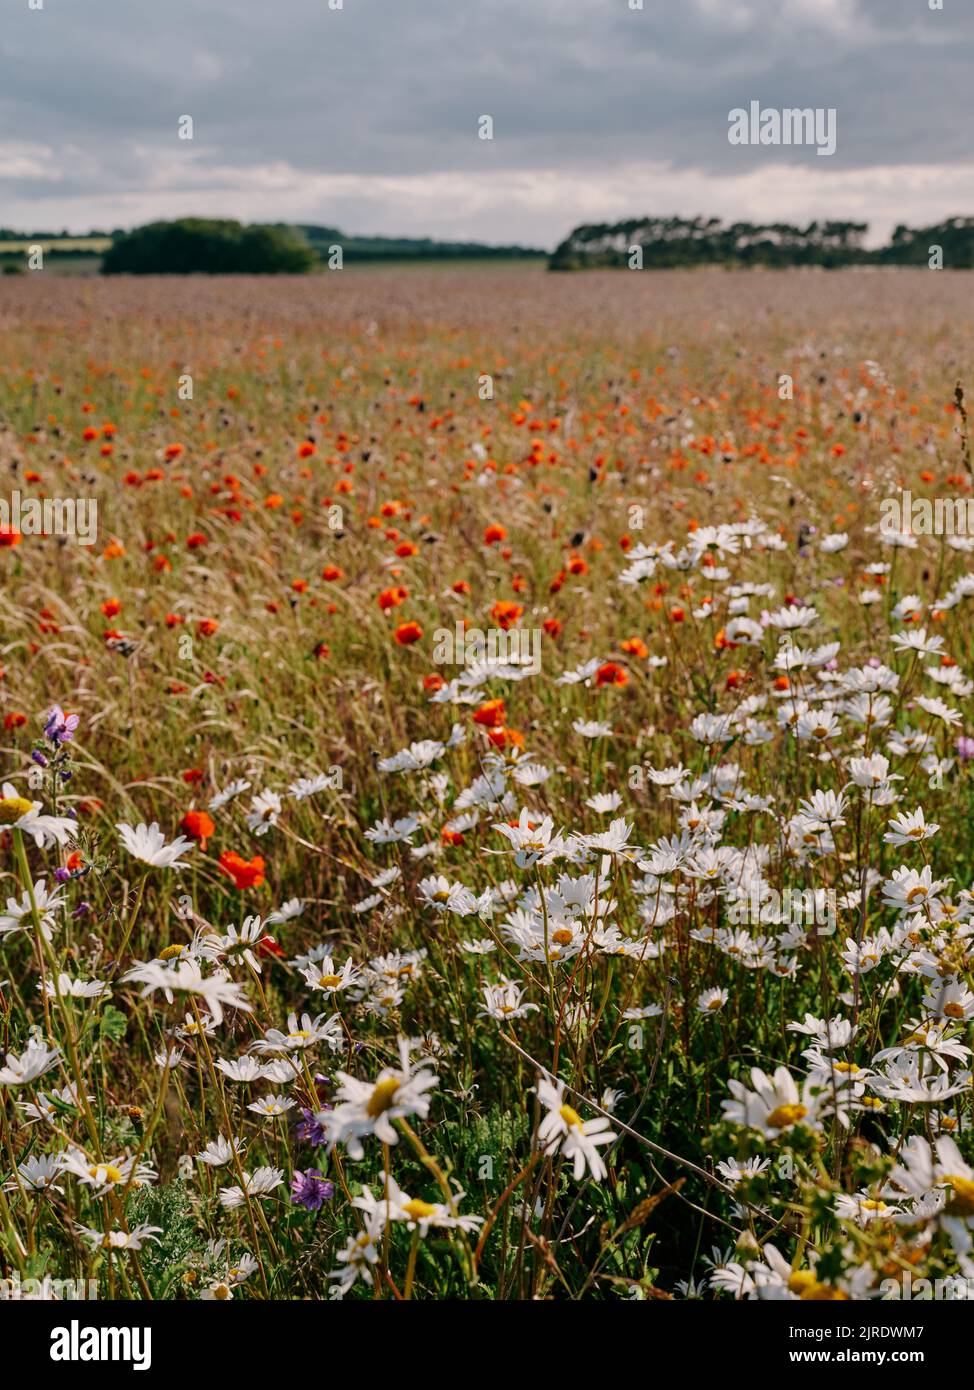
(105, 1172)
(12, 808)
(570, 1116)
(329, 981)
(382, 1096)
(786, 1115)
(418, 1209)
(962, 1203)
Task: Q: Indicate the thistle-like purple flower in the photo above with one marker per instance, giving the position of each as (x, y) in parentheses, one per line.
(310, 1190)
(965, 747)
(60, 727)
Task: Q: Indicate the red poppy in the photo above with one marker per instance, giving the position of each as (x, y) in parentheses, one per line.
(611, 674)
(269, 948)
(392, 598)
(198, 826)
(491, 713)
(246, 873)
(506, 613)
(407, 633)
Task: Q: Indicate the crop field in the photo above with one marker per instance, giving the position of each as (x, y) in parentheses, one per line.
(486, 799)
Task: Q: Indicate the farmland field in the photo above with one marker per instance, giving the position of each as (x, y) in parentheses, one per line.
(417, 974)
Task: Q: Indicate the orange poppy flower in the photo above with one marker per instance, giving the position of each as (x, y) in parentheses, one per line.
(246, 873)
(503, 737)
(111, 607)
(331, 572)
(198, 826)
(206, 627)
(611, 674)
(506, 613)
(10, 536)
(392, 598)
(494, 533)
(491, 713)
(407, 633)
(635, 646)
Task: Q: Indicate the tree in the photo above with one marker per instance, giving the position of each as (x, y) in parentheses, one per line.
(194, 245)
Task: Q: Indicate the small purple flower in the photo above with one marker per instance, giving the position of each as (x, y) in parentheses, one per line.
(60, 727)
(62, 875)
(307, 1130)
(310, 1190)
(83, 908)
(965, 747)
(38, 757)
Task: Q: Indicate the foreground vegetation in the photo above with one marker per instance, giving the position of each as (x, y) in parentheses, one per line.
(332, 967)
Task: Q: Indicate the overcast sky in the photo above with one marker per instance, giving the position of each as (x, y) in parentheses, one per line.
(366, 118)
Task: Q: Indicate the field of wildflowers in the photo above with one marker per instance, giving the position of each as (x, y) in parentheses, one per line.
(488, 815)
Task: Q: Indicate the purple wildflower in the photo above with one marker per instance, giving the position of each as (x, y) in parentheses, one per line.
(60, 727)
(307, 1130)
(965, 747)
(310, 1190)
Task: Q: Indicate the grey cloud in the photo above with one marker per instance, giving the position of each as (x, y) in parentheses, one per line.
(395, 87)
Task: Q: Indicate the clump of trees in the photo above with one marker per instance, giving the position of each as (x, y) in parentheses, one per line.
(674, 242)
(206, 246)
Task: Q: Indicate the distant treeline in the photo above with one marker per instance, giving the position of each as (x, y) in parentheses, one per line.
(384, 248)
(209, 246)
(673, 242)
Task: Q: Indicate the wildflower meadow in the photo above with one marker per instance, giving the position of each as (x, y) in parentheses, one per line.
(486, 798)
